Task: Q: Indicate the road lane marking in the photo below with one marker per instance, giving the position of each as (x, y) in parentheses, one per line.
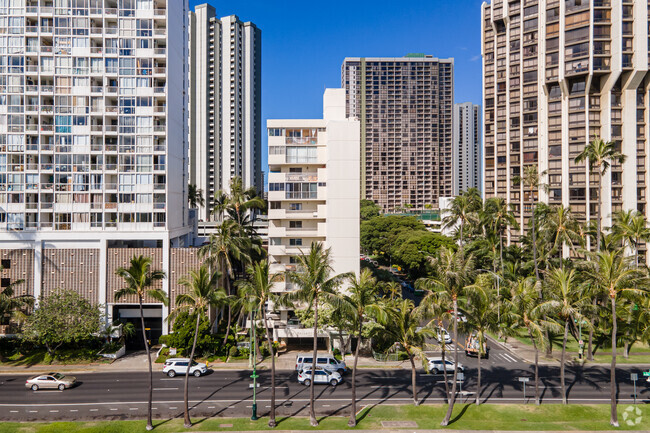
(74, 410)
(33, 411)
(162, 389)
(133, 408)
(113, 409)
(13, 411)
(174, 407)
(94, 410)
(54, 411)
(210, 407)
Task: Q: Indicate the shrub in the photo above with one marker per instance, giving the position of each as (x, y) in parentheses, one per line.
(232, 352)
(182, 336)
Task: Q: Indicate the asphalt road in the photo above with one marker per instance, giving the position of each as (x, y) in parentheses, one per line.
(228, 393)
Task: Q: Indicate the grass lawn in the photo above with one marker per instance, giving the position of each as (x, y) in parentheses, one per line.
(62, 357)
(466, 416)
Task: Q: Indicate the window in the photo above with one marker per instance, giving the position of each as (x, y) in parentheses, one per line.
(5, 263)
(295, 206)
(295, 224)
(295, 242)
(275, 205)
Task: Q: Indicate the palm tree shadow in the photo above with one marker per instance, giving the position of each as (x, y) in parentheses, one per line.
(460, 414)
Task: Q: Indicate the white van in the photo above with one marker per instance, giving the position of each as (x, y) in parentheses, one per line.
(325, 361)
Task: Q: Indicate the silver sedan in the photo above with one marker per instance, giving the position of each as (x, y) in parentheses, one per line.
(50, 381)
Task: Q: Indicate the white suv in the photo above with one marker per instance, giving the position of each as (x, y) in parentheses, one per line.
(321, 375)
(174, 366)
(435, 366)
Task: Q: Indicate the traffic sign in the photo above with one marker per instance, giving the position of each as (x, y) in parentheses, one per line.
(524, 379)
(646, 373)
(460, 376)
(634, 377)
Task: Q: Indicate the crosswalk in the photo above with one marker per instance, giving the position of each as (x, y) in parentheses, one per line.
(505, 357)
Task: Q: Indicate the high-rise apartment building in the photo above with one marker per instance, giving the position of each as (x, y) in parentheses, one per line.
(556, 75)
(225, 103)
(466, 155)
(405, 108)
(313, 190)
(93, 134)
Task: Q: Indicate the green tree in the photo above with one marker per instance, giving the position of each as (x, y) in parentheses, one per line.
(380, 233)
(362, 299)
(464, 210)
(195, 196)
(257, 289)
(532, 180)
(599, 154)
(499, 218)
(567, 302)
(613, 275)
(315, 283)
(139, 279)
(561, 229)
(631, 227)
(201, 294)
(403, 323)
(368, 209)
(237, 202)
(63, 317)
(413, 248)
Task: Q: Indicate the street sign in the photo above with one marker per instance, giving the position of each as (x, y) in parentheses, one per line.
(461, 376)
(646, 373)
(524, 379)
(634, 377)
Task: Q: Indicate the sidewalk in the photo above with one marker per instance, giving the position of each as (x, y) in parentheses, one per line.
(430, 431)
(137, 361)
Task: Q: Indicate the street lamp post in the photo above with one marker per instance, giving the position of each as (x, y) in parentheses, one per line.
(254, 376)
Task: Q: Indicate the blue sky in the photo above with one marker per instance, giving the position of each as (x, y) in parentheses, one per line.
(305, 42)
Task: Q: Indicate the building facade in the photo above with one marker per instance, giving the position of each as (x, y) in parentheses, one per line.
(93, 134)
(225, 103)
(466, 155)
(556, 74)
(313, 192)
(405, 107)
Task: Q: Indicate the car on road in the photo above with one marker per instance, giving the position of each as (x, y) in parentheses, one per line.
(321, 375)
(305, 360)
(436, 366)
(443, 336)
(472, 346)
(50, 381)
(174, 366)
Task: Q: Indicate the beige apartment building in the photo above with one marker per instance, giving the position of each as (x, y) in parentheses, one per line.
(405, 107)
(556, 74)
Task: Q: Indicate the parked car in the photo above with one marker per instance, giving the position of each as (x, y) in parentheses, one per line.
(321, 375)
(436, 366)
(174, 366)
(50, 381)
(305, 360)
(443, 336)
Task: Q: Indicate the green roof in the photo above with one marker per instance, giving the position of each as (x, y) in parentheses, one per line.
(415, 55)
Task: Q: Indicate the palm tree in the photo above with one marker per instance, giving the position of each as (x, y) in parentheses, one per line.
(237, 202)
(452, 271)
(498, 217)
(315, 284)
(464, 209)
(532, 181)
(567, 302)
(362, 299)
(393, 289)
(202, 293)
(598, 155)
(13, 306)
(632, 228)
(481, 317)
(561, 229)
(223, 249)
(612, 274)
(195, 196)
(524, 298)
(139, 279)
(257, 290)
(403, 324)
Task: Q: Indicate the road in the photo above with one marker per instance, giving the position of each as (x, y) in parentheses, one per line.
(228, 393)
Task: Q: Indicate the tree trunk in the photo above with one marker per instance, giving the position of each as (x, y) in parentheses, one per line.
(353, 415)
(626, 349)
(478, 383)
(312, 411)
(187, 421)
(530, 334)
(535, 245)
(272, 422)
(450, 409)
(414, 383)
(462, 223)
(614, 416)
(444, 370)
(562, 385)
(146, 348)
(501, 252)
(599, 223)
(590, 342)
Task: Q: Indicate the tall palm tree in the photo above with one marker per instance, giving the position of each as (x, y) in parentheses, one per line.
(499, 218)
(139, 279)
(561, 229)
(524, 298)
(236, 202)
(464, 209)
(224, 248)
(532, 180)
(195, 196)
(257, 290)
(362, 299)
(632, 228)
(599, 154)
(403, 323)
(393, 289)
(612, 274)
(481, 317)
(202, 293)
(567, 302)
(452, 272)
(315, 284)
(12, 306)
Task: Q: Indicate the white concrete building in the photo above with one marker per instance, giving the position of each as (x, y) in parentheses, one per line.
(466, 152)
(225, 103)
(314, 190)
(93, 131)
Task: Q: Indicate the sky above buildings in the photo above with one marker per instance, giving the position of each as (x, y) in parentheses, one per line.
(304, 44)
